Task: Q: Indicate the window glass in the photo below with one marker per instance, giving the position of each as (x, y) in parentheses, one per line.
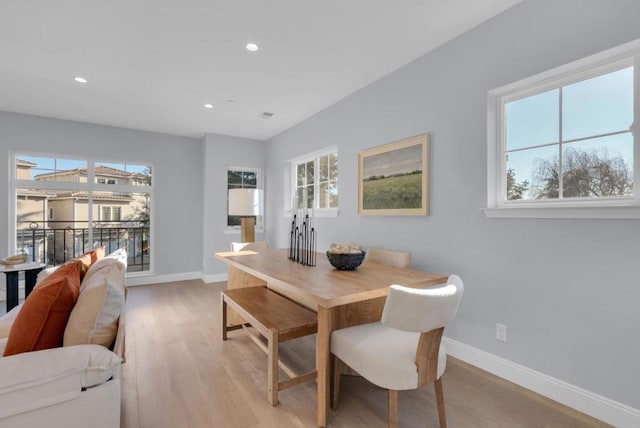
(50, 169)
(596, 106)
(122, 173)
(587, 152)
(533, 120)
(54, 224)
(316, 182)
(241, 179)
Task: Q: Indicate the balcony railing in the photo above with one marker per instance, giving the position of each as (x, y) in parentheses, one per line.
(55, 242)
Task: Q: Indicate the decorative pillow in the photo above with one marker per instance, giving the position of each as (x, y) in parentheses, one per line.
(44, 273)
(89, 258)
(41, 322)
(94, 319)
(118, 256)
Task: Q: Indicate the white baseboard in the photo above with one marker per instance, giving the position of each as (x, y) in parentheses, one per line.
(216, 277)
(184, 276)
(605, 409)
(133, 281)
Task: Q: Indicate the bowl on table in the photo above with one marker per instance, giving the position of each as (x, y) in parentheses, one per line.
(346, 261)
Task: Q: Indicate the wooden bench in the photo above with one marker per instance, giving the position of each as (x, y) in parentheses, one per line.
(276, 318)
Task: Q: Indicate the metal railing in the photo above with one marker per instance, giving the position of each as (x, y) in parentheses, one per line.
(55, 242)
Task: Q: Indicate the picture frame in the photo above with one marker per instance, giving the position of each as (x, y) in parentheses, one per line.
(393, 179)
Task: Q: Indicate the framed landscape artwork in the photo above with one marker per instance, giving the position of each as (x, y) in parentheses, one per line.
(393, 179)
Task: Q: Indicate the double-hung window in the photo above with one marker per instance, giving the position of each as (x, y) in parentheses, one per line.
(562, 144)
(315, 182)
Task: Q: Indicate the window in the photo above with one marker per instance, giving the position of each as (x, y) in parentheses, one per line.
(315, 182)
(111, 213)
(565, 139)
(242, 178)
(106, 181)
(63, 209)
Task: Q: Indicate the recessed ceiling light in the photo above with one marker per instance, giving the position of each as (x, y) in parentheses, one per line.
(252, 47)
(208, 106)
(80, 79)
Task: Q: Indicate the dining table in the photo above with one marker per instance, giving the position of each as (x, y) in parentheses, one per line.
(341, 298)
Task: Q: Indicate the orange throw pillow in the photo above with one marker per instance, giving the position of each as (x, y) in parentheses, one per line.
(41, 322)
(90, 258)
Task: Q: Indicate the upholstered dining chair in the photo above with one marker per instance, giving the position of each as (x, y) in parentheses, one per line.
(249, 246)
(402, 351)
(400, 259)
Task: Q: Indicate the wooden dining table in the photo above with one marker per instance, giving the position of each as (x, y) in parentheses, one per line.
(341, 298)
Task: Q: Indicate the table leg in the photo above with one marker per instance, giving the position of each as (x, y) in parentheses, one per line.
(326, 323)
(30, 277)
(12, 290)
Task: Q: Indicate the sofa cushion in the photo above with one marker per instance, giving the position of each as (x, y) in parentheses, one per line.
(46, 377)
(94, 318)
(41, 322)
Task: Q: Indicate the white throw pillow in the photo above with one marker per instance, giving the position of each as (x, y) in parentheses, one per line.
(94, 318)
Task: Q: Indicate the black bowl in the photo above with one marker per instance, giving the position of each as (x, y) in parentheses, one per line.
(346, 261)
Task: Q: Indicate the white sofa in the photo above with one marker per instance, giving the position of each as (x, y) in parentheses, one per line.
(70, 386)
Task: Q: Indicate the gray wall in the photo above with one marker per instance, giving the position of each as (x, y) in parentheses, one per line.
(567, 289)
(218, 153)
(177, 200)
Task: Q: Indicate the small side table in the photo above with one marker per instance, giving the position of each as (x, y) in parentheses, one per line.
(31, 271)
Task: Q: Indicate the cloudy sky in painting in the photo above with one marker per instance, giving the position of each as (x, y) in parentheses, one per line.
(397, 161)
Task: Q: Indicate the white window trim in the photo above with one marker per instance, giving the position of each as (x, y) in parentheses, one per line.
(15, 184)
(601, 208)
(235, 230)
(290, 183)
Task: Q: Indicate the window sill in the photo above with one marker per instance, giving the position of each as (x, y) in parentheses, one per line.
(236, 230)
(566, 212)
(318, 213)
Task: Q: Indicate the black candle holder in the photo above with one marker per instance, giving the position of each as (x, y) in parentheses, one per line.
(302, 240)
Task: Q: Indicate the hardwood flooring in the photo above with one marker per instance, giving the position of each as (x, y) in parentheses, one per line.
(179, 373)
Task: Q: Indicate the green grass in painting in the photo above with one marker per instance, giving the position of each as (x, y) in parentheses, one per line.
(400, 192)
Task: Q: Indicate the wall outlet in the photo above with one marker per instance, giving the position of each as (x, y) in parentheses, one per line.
(501, 332)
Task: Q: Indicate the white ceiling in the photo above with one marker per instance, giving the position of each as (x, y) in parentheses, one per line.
(153, 64)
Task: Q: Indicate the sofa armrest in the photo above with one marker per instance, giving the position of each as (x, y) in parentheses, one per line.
(35, 379)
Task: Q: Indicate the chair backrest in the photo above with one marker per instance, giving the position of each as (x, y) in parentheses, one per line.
(400, 259)
(249, 246)
(422, 309)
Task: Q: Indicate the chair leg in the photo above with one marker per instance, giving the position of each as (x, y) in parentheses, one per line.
(393, 408)
(272, 368)
(337, 371)
(440, 402)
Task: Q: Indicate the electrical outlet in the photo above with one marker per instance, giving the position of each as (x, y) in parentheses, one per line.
(501, 332)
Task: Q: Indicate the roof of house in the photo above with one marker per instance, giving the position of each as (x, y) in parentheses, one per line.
(100, 196)
(22, 162)
(100, 171)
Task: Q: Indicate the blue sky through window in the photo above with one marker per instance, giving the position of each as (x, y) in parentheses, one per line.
(50, 164)
(592, 107)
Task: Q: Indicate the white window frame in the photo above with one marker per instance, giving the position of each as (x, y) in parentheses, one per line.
(290, 187)
(605, 207)
(91, 186)
(235, 230)
(111, 209)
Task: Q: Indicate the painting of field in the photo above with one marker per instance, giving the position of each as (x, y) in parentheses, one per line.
(393, 178)
(395, 192)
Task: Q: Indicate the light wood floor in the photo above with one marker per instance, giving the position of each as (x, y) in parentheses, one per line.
(179, 373)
